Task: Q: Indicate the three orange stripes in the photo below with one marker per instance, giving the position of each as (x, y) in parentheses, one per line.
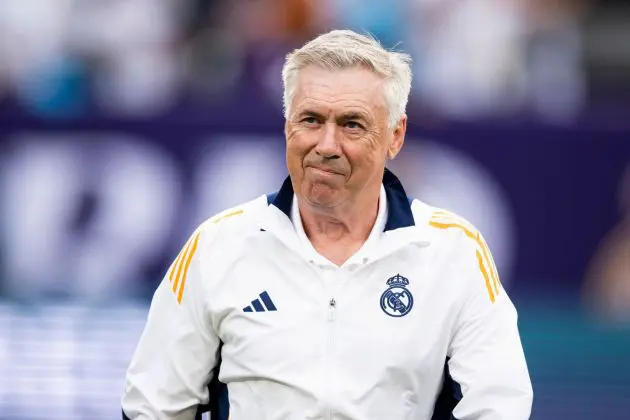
(179, 270)
(446, 220)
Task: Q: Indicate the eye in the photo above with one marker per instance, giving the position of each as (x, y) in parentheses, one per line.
(309, 120)
(353, 125)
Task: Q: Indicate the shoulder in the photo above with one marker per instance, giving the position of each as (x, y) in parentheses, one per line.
(214, 242)
(453, 236)
(234, 222)
(445, 226)
(462, 244)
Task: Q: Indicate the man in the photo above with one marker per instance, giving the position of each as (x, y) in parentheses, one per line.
(337, 297)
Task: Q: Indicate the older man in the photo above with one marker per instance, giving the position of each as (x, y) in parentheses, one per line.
(337, 297)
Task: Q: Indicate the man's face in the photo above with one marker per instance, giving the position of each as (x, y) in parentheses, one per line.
(338, 138)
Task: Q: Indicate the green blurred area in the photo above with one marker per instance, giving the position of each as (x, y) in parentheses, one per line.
(579, 365)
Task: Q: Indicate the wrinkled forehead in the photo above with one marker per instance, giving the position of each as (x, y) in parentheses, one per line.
(336, 91)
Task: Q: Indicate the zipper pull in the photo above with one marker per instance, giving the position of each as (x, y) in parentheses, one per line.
(331, 309)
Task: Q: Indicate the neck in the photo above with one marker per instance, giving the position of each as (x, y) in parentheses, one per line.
(349, 223)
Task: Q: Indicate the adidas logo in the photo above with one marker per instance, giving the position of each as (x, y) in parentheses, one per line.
(257, 304)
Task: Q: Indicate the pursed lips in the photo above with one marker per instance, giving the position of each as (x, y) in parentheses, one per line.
(327, 170)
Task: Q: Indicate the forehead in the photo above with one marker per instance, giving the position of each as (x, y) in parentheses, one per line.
(338, 90)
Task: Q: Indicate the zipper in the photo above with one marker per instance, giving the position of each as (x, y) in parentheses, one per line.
(332, 307)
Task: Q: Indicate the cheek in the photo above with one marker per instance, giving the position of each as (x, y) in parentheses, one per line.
(368, 152)
(296, 150)
(362, 160)
(298, 140)
(293, 158)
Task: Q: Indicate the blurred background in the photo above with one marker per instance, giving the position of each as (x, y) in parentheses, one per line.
(124, 124)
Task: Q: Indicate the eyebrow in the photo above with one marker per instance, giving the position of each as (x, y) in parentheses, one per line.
(352, 115)
(348, 116)
(309, 113)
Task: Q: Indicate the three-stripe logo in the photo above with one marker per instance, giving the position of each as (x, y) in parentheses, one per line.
(179, 269)
(443, 219)
(262, 304)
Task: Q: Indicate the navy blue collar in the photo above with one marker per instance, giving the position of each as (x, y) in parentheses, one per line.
(399, 213)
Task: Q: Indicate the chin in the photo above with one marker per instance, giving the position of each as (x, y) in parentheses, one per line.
(322, 196)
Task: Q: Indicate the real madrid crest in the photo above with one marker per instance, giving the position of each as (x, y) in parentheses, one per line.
(397, 301)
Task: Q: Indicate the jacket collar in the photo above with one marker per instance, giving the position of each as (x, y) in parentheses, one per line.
(399, 205)
(400, 227)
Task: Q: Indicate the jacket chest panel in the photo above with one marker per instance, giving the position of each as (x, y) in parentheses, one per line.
(270, 314)
(390, 311)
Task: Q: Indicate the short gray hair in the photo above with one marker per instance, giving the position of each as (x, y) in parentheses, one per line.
(341, 49)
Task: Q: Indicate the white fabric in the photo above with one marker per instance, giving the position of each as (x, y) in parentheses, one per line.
(315, 359)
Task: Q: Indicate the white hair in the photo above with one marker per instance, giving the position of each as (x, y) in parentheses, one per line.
(341, 49)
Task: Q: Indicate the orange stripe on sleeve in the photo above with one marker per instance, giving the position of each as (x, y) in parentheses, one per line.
(188, 260)
(176, 263)
(442, 225)
(485, 276)
(181, 264)
(444, 217)
(488, 256)
(481, 245)
(234, 213)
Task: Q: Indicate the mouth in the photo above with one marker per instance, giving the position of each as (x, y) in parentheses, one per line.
(326, 171)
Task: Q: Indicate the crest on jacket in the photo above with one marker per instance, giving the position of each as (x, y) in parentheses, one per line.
(397, 301)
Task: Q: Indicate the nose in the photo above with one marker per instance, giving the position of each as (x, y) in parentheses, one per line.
(328, 145)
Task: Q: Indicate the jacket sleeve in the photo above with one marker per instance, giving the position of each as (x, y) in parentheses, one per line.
(177, 351)
(486, 360)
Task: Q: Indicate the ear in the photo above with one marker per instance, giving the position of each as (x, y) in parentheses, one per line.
(398, 137)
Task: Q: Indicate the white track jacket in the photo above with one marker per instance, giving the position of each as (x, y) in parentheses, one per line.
(250, 322)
